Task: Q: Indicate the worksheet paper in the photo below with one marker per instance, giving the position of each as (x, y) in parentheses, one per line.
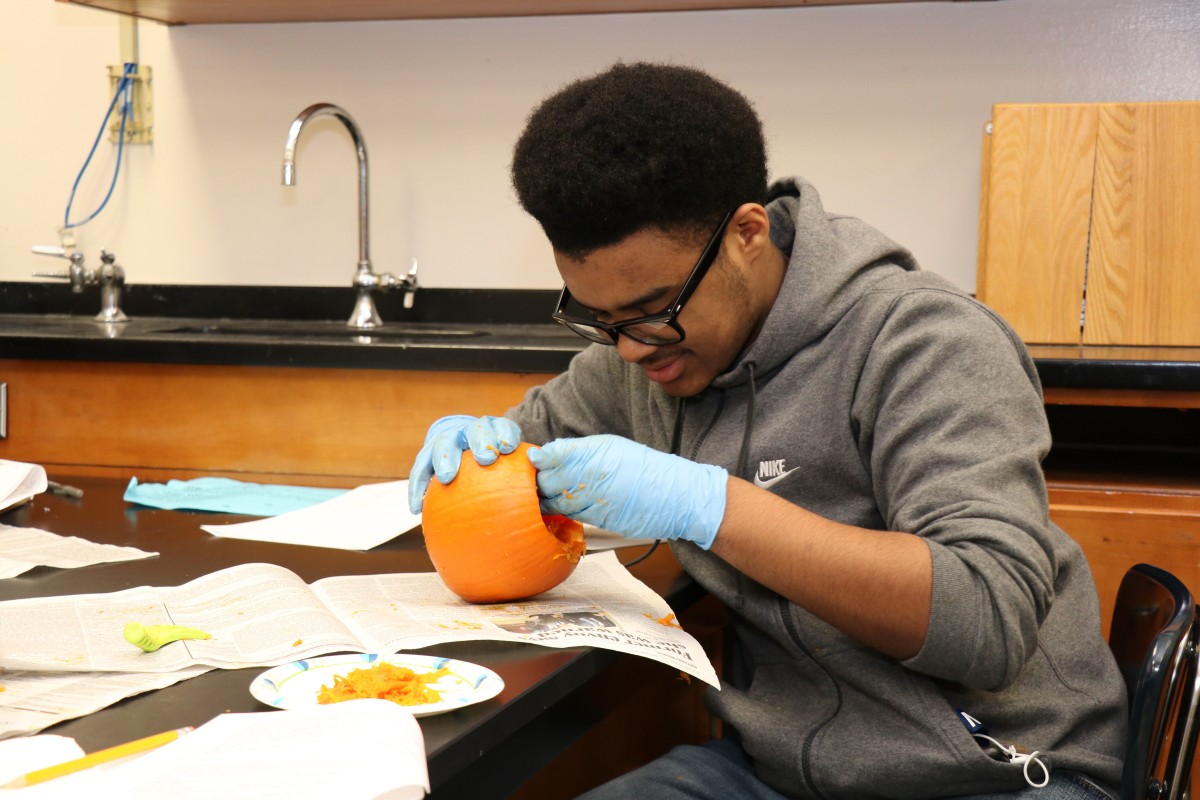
(360, 519)
(33, 701)
(19, 482)
(21, 756)
(264, 615)
(365, 750)
(22, 549)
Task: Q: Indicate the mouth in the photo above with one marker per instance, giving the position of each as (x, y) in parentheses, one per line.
(664, 370)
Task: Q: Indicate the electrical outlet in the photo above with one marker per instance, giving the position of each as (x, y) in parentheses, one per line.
(139, 126)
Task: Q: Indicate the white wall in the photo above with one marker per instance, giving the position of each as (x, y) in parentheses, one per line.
(881, 106)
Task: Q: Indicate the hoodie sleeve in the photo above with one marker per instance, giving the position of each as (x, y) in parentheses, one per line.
(953, 426)
(588, 398)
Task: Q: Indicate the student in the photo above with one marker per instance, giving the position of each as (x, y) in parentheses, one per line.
(842, 448)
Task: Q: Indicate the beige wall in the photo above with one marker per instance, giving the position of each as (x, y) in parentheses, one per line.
(880, 105)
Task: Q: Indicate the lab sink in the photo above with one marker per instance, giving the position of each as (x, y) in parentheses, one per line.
(321, 329)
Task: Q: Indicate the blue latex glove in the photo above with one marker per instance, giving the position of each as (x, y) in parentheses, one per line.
(628, 488)
(485, 437)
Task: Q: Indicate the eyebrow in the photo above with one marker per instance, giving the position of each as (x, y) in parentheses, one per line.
(659, 293)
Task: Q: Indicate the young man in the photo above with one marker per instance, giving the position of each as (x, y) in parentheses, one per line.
(857, 473)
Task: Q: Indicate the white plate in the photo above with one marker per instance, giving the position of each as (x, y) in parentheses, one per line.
(296, 685)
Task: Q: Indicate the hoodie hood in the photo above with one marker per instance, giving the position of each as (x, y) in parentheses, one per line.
(831, 259)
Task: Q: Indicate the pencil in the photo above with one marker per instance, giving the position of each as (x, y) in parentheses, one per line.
(98, 757)
(63, 489)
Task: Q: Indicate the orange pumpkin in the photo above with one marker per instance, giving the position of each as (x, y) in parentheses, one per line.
(487, 536)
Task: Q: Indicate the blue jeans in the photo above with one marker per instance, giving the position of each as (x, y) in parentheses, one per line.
(719, 770)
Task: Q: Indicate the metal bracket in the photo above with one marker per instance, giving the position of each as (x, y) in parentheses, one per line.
(139, 127)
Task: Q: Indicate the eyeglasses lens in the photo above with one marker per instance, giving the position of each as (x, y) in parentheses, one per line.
(655, 333)
(652, 333)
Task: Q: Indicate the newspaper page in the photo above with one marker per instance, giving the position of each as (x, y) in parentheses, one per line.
(33, 701)
(263, 615)
(22, 549)
(600, 605)
(256, 614)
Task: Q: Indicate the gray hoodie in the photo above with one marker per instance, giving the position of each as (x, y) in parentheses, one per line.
(881, 396)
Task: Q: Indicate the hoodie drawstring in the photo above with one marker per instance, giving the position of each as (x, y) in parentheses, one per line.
(748, 431)
(677, 434)
(743, 457)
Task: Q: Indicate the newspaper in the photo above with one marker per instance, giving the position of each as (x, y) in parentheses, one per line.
(264, 615)
(22, 549)
(33, 701)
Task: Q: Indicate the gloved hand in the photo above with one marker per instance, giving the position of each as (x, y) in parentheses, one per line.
(628, 488)
(485, 437)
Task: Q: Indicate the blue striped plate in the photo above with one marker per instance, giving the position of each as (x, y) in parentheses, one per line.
(296, 685)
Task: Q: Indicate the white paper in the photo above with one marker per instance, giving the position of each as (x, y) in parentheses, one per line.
(264, 615)
(22, 549)
(364, 750)
(33, 701)
(599, 540)
(358, 520)
(21, 756)
(19, 482)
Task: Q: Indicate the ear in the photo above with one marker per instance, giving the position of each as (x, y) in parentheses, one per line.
(753, 230)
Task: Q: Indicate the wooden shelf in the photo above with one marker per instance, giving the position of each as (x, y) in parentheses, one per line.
(200, 12)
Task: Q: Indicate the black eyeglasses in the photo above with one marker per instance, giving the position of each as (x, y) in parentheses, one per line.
(655, 329)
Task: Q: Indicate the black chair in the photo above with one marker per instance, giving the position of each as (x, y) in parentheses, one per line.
(1154, 638)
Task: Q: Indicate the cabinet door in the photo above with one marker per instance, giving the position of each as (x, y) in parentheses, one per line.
(1088, 223)
(1037, 185)
(1144, 274)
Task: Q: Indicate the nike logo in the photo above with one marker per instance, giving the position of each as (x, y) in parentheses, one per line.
(771, 472)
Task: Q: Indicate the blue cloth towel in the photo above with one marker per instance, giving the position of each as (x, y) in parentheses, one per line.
(227, 495)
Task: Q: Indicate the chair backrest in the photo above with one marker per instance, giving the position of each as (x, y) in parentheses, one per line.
(1154, 636)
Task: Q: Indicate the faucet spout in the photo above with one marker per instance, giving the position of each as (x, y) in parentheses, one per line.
(360, 149)
(365, 280)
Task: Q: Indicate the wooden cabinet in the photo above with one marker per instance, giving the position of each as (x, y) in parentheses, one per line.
(181, 12)
(1088, 222)
(1124, 480)
(1121, 525)
(321, 427)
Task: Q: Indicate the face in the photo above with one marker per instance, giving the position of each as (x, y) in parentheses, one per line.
(640, 276)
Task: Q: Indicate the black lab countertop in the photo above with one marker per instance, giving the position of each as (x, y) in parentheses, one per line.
(491, 330)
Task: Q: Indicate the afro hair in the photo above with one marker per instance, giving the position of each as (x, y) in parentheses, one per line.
(637, 146)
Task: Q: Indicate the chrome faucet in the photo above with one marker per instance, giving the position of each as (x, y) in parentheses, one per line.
(110, 277)
(365, 280)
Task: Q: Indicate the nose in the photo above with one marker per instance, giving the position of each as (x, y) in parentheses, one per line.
(632, 351)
